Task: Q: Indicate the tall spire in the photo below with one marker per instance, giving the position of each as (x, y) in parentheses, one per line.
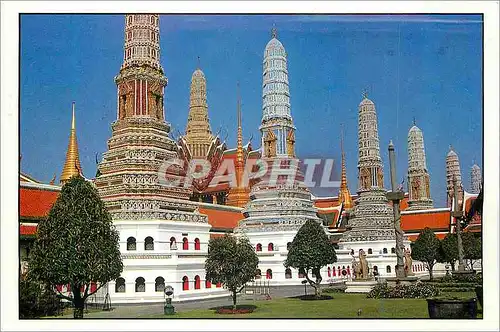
(453, 171)
(371, 219)
(418, 176)
(239, 195)
(475, 179)
(198, 133)
(72, 165)
(142, 41)
(344, 194)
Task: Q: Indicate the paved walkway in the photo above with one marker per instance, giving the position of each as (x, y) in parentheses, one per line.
(138, 310)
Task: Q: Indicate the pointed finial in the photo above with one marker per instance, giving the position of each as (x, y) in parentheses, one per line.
(365, 93)
(53, 180)
(451, 147)
(342, 138)
(73, 116)
(198, 63)
(391, 144)
(239, 103)
(274, 32)
(414, 121)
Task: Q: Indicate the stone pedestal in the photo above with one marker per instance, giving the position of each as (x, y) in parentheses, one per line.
(360, 286)
(393, 281)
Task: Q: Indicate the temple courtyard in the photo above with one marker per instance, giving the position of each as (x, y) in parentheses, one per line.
(285, 303)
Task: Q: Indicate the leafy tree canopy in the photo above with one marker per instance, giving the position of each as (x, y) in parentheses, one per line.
(426, 249)
(472, 245)
(310, 251)
(77, 243)
(231, 261)
(449, 249)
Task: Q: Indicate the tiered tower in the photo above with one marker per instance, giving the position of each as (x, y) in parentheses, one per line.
(475, 179)
(278, 131)
(344, 193)
(284, 204)
(239, 195)
(371, 218)
(418, 176)
(136, 183)
(198, 133)
(72, 165)
(453, 171)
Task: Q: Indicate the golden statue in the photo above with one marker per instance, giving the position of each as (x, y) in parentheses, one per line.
(380, 177)
(270, 144)
(290, 143)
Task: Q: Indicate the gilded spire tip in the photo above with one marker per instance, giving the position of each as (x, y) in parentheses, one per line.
(73, 116)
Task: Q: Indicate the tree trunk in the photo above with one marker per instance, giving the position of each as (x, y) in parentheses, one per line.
(452, 265)
(429, 267)
(234, 300)
(78, 303)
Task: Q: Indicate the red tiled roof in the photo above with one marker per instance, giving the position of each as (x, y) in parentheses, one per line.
(27, 229)
(36, 203)
(326, 203)
(439, 220)
(220, 218)
(413, 237)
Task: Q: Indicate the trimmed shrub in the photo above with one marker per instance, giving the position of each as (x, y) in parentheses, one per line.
(37, 300)
(334, 290)
(414, 291)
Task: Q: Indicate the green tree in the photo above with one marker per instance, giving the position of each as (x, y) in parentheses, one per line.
(231, 261)
(36, 299)
(310, 251)
(449, 250)
(426, 249)
(76, 244)
(472, 247)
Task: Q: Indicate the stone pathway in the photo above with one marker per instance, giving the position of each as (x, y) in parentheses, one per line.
(138, 310)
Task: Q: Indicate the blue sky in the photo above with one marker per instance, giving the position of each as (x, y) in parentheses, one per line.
(426, 66)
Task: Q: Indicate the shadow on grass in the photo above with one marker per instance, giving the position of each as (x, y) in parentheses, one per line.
(240, 309)
(312, 297)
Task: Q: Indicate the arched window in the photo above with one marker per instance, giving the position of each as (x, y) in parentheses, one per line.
(269, 274)
(370, 251)
(159, 284)
(197, 283)
(333, 272)
(384, 251)
(288, 246)
(329, 272)
(348, 270)
(218, 285)
(93, 287)
(173, 243)
(185, 244)
(185, 283)
(140, 285)
(196, 244)
(270, 247)
(131, 244)
(258, 247)
(393, 250)
(149, 243)
(258, 274)
(388, 269)
(119, 285)
(288, 274)
(375, 270)
(208, 284)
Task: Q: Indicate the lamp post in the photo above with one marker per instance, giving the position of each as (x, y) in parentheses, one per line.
(168, 309)
(396, 196)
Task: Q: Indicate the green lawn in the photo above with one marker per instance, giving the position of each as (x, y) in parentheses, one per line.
(341, 306)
